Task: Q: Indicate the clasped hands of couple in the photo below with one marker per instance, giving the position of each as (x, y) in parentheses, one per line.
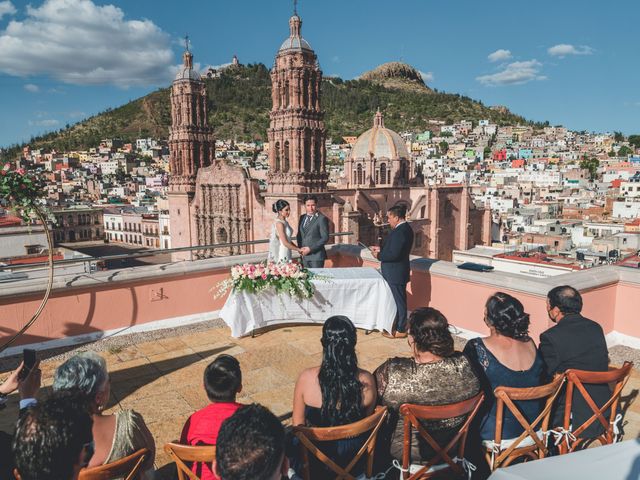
(304, 251)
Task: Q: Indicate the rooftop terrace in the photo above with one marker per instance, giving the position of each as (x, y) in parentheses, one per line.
(158, 328)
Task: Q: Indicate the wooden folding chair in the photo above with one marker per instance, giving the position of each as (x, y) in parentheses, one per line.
(576, 380)
(127, 468)
(532, 442)
(188, 453)
(413, 415)
(309, 435)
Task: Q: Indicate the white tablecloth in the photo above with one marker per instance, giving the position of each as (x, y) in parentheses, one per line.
(358, 293)
(620, 461)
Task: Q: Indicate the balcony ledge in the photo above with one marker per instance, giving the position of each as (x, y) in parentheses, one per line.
(582, 280)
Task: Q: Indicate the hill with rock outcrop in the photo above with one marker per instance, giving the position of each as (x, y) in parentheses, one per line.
(240, 100)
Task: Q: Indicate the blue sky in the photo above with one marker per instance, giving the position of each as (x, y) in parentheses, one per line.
(571, 62)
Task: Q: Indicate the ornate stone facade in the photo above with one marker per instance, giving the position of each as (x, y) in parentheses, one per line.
(223, 208)
(297, 153)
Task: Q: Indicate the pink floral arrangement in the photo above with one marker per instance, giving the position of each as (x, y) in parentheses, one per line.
(288, 277)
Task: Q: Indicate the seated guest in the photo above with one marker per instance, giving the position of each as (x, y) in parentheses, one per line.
(251, 446)
(222, 382)
(507, 357)
(27, 389)
(337, 392)
(117, 435)
(574, 342)
(435, 374)
(53, 439)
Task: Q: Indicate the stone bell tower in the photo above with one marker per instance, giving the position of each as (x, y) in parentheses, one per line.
(191, 147)
(297, 153)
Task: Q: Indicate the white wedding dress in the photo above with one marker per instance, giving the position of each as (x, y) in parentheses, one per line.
(277, 251)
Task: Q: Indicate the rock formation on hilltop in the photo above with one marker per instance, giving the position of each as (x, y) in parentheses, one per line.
(397, 75)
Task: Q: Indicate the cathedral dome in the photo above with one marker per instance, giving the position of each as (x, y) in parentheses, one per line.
(295, 40)
(380, 142)
(186, 72)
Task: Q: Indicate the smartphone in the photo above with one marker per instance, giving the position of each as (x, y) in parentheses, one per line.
(29, 359)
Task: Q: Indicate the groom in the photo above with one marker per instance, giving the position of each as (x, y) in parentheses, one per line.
(313, 233)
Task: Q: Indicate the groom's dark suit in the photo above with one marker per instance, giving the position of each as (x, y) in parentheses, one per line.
(313, 232)
(394, 259)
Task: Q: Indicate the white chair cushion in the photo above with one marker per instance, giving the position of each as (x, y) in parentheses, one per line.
(506, 443)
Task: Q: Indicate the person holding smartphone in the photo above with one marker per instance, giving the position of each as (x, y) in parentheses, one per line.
(28, 388)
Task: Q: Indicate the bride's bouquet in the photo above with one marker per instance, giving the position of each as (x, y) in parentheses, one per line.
(286, 277)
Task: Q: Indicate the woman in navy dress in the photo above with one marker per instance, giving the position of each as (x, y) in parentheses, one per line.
(507, 357)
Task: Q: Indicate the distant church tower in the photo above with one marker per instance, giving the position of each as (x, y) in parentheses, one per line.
(297, 153)
(191, 147)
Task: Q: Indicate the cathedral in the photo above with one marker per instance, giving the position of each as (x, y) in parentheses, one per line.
(213, 202)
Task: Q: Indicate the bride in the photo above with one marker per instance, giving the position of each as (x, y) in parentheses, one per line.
(280, 245)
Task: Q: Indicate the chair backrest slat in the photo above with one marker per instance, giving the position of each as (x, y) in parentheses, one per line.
(576, 380)
(127, 467)
(309, 435)
(414, 415)
(189, 453)
(506, 397)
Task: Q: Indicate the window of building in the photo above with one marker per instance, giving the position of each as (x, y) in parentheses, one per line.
(286, 156)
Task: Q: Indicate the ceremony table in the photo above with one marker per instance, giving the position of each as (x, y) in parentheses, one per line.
(613, 462)
(359, 293)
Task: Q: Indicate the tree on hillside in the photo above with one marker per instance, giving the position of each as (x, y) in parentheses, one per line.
(624, 151)
(618, 137)
(592, 165)
(634, 140)
(444, 147)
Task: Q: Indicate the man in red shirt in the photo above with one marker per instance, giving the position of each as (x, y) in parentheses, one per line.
(222, 382)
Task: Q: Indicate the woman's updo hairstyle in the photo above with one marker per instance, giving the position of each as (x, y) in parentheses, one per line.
(279, 205)
(430, 331)
(506, 314)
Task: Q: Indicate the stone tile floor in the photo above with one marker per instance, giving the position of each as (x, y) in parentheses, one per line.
(161, 376)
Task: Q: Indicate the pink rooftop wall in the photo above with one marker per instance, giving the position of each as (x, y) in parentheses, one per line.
(108, 306)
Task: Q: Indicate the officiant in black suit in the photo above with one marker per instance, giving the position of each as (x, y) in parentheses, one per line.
(394, 259)
(313, 234)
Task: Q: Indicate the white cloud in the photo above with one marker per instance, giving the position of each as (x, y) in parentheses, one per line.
(7, 8)
(499, 55)
(514, 73)
(79, 42)
(76, 114)
(335, 59)
(30, 87)
(427, 77)
(563, 49)
(49, 122)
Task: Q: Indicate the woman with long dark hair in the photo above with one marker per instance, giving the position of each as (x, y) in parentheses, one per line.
(337, 392)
